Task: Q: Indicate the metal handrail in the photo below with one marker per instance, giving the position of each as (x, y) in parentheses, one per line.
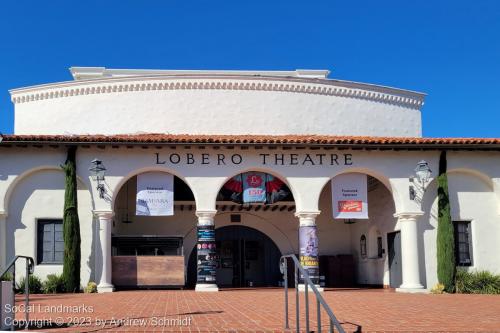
(30, 268)
(320, 301)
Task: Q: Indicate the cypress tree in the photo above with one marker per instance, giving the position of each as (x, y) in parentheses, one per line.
(446, 268)
(71, 226)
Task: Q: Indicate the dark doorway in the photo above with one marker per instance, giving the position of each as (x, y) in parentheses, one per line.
(395, 272)
(247, 258)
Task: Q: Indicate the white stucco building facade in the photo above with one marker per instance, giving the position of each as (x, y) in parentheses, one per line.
(205, 127)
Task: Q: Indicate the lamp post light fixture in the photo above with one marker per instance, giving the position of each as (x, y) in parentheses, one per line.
(423, 174)
(98, 172)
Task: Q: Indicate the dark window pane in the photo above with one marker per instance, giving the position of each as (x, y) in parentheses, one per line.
(59, 246)
(58, 256)
(463, 246)
(50, 241)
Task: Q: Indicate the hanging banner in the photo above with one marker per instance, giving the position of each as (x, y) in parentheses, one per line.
(254, 187)
(155, 194)
(206, 255)
(350, 196)
(233, 190)
(276, 189)
(308, 242)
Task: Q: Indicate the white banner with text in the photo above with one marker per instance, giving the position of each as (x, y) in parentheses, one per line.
(350, 196)
(155, 194)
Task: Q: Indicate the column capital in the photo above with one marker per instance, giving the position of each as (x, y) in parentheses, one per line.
(206, 217)
(104, 214)
(307, 218)
(405, 216)
(307, 214)
(206, 213)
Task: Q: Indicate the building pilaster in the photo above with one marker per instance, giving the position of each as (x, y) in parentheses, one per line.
(409, 252)
(104, 225)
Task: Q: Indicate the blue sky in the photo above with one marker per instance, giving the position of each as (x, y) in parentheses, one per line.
(447, 49)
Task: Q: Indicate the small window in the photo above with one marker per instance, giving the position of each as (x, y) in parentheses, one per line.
(463, 243)
(50, 242)
(380, 250)
(362, 246)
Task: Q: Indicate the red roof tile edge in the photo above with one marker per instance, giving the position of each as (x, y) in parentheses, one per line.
(243, 139)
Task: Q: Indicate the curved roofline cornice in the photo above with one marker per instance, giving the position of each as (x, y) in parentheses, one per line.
(327, 87)
(153, 139)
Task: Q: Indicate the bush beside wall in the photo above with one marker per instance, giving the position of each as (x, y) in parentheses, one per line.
(91, 288)
(54, 284)
(6, 277)
(35, 285)
(477, 282)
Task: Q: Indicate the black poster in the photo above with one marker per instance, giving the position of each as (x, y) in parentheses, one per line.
(206, 255)
(308, 241)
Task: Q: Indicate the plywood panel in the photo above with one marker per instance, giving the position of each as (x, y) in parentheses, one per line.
(131, 271)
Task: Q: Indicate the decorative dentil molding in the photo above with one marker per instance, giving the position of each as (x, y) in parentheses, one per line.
(328, 88)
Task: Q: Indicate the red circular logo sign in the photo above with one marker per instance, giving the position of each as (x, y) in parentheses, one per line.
(254, 180)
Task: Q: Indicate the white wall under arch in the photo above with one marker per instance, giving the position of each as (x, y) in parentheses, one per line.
(13, 184)
(40, 194)
(472, 198)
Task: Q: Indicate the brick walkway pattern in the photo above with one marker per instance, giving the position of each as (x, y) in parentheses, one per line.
(263, 311)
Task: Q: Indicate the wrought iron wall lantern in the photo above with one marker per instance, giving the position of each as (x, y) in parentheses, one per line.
(421, 179)
(98, 173)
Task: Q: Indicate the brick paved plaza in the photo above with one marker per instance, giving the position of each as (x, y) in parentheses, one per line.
(262, 311)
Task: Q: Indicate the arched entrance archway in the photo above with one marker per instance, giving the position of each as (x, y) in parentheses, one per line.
(356, 251)
(147, 249)
(233, 261)
(246, 258)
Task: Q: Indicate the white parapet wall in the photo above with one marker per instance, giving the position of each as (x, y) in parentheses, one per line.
(187, 102)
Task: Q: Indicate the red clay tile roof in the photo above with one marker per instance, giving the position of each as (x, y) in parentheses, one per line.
(250, 140)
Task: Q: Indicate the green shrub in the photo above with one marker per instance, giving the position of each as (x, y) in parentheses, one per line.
(6, 277)
(54, 284)
(91, 288)
(35, 285)
(478, 282)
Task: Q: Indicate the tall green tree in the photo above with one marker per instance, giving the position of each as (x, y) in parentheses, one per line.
(71, 226)
(446, 267)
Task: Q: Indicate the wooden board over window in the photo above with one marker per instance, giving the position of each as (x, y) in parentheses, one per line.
(148, 271)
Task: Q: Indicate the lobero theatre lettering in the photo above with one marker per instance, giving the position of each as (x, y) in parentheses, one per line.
(265, 159)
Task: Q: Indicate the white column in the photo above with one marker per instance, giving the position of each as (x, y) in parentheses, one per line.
(205, 281)
(307, 226)
(104, 225)
(3, 240)
(409, 252)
